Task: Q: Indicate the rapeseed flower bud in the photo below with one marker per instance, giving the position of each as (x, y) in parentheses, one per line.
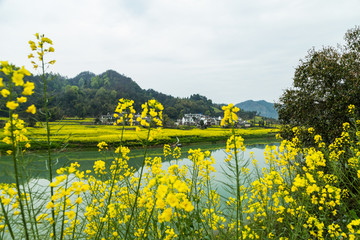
(167, 150)
(46, 40)
(41, 49)
(32, 45)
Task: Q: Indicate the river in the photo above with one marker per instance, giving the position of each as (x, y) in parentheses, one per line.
(36, 163)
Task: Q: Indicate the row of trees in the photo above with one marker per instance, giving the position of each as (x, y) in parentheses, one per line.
(90, 95)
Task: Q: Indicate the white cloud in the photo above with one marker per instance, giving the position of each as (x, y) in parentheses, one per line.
(228, 50)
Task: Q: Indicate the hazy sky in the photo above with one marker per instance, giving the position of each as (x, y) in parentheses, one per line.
(226, 50)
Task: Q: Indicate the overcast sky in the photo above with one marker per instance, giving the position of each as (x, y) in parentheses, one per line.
(226, 50)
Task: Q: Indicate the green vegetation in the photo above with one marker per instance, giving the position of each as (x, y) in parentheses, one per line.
(325, 83)
(90, 95)
(74, 134)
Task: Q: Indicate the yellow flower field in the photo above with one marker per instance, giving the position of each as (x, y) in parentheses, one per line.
(71, 132)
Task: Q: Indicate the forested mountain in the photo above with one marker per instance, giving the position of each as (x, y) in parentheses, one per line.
(90, 95)
(262, 108)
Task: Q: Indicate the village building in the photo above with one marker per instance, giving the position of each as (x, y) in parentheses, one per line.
(107, 119)
(197, 119)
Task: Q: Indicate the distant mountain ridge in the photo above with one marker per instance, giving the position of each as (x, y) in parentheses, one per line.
(93, 95)
(262, 107)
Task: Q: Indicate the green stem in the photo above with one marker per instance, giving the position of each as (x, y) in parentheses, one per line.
(211, 200)
(30, 208)
(46, 112)
(148, 222)
(238, 197)
(7, 220)
(73, 233)
(112, 186)
(14, 157)
(139, 182)
(63, 213)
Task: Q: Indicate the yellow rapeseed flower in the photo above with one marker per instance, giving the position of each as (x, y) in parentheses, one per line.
(351, 108)
(166, 215)
(172, 200)
(70, 214)
(23, 71)
(21, 99)
(46, 40)
(311, 130)
(4, 92)
(31, 109)
(32, 45)
(6, 201)
(50, 205)
(12, 105)
(28, 88)
(124, 111)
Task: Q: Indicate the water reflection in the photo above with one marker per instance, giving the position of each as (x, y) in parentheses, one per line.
(36, 163)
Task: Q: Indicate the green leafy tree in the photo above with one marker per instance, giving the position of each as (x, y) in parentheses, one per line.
(325, 83)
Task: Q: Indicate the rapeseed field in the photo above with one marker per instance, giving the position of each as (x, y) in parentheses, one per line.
(302, 193)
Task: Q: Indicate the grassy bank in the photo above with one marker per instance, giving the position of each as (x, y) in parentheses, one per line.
(76, 134)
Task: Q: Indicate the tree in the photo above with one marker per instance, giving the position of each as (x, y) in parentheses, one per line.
(325, 83)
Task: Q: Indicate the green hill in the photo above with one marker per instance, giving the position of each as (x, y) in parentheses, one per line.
(91, 95)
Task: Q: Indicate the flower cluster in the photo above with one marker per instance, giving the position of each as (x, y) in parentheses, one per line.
(124, 112)
(15, 79)
(70, 189)
(233, 146)
(151, 112)
(230, 116)
(42, 46)
(15, 131)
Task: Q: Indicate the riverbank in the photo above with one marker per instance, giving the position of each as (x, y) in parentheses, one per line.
(78, 136)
